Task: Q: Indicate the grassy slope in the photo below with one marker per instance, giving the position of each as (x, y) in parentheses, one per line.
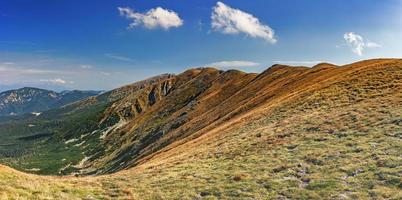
(38, 144)
(337, 138)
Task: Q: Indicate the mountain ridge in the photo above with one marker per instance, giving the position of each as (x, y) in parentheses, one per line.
(285, 132)
(36, 100)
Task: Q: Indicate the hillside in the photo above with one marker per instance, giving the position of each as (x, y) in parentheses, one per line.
(34, 100)
(328, 131)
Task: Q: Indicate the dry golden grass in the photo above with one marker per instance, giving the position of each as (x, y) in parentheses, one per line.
(322, 133)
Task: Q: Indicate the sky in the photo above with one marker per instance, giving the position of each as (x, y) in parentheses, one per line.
(101, 45)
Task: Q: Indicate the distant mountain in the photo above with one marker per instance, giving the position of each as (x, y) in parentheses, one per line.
(35, 100)
(45, 86)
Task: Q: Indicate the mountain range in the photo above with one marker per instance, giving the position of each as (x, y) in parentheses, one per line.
(289, 132)
(34, 100)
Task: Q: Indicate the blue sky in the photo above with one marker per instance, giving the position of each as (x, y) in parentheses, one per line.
(91, 45)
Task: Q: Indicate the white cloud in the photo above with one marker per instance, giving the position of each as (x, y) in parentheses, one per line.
(154, 18)
(106, 73)
(56, 81)
(373, 45)
(357, 43)
(233, 21)
(118, 57)
(87, 66)
(30, 71)
(8, 63)
(233, 64)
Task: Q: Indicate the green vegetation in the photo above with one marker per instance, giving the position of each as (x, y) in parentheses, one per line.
(38, 144)
(338, 136)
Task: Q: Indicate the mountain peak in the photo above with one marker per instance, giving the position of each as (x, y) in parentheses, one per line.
(30, 99)
(324, 65)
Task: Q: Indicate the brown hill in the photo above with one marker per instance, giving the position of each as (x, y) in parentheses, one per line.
(192, 103)
(289, 132)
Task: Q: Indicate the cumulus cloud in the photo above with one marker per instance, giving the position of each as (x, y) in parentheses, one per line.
(358, 43)
(233, 64)
(154, 18)
(234, 21)
(56, 81)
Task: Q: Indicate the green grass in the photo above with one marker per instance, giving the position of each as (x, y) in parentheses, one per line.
(20, 149)
(264, 159)
(333, 143)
